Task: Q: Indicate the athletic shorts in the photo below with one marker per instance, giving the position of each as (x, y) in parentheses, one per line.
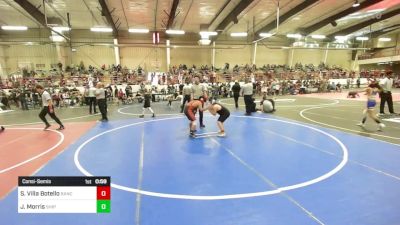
(190, 113)
(223, 116)
(146, 104)
(371, 104)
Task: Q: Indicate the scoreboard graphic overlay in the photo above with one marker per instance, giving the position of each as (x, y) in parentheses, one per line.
(64, 195)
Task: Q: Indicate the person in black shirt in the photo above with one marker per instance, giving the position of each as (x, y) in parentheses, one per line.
(236, 93)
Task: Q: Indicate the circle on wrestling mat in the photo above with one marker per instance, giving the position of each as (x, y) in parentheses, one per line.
(267, 106)
(277, 190)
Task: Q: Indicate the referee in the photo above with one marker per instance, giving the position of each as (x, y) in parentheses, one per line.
(198, 92)
(386, 95)
(186, 93)
(48, 108)
(247, 93)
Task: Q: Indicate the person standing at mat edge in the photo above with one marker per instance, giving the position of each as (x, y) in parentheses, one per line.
(101, 101)
(247, 93)
(146, 105)
(236, 93)
(198, 92)
(92, 99)
(186, 93)
(48, 108)
(386, 94)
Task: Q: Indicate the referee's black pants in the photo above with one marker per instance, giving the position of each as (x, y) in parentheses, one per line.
(386, 97)
(103, 108)
(92, 104)
(236, 97)
(44, 112)
(248, 101)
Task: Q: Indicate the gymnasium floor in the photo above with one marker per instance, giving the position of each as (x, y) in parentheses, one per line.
(308, 163)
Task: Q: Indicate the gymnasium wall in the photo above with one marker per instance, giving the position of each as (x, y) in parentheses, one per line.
(190, 56)
(308, 56)
(32, 56)
(93, 55)
(271, 56)
(148, 58)
(239, 56)
(151, 58)
(340, 58)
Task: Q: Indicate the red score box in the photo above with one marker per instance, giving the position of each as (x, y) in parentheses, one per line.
(103, 193)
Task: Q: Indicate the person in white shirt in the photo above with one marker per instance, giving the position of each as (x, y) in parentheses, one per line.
(186, 93)
(247, 93)
(92, 99)
(198, 92)
(386, 94)
(48, 108)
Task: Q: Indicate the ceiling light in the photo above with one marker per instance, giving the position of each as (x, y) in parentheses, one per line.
(298, 43)
(341, 38)
(175, 31)
(293, 35)
(208, 33)
(317, 36)
(57, 38)
(311, 45)
(265, 34)
(356, 4)
(61, 29)
(14, 28)
(140, 31)
(239, 34)
(362, 38)
(204, 42)
(101, 29)
(384, 39)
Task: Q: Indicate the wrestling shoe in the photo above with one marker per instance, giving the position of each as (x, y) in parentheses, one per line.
(361, 125)
(221, 134)
(381, 126)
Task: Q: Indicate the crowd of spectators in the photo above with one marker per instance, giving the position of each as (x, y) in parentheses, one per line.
(270, 79)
